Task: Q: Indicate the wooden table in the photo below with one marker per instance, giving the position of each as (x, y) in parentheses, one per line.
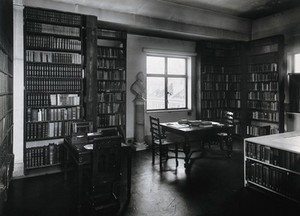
(82, 157)
(187, 131)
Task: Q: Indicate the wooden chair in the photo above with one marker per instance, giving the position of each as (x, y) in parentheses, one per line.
(225, 138)
(160, 144)
(106, 174)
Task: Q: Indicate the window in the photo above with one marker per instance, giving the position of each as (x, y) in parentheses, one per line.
(167, 82)
(297, 63)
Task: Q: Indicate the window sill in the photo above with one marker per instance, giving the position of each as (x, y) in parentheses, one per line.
(168, 111)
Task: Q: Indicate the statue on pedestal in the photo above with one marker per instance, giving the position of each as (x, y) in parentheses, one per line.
(138, 89)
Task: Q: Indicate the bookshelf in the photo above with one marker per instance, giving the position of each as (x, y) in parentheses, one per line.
(111, 78)
(271, 163)
(53, 95)
(265, 86)
(6, 98)
(221, 76)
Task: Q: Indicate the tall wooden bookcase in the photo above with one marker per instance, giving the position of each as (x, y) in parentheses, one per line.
(6, 97)
(245, 78)
(265, 79)
(111, 78)
(221, 81)
(75, 70)
(53, 76)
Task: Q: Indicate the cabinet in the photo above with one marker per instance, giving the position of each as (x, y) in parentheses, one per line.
(53, 76)
(221, 81)
(272, 163)
(111, 78)
(265, 86)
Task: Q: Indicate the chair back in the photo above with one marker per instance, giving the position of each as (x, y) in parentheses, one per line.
(155, 129)
(228, 118)
(106, 167)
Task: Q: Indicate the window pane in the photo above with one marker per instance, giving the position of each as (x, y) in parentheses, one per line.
(297, 63)
(176, 93)
(155, 93)
(176, 66)
(155, 65)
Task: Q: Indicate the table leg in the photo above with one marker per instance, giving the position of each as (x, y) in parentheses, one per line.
(129, 174)
(187, 150)
(66, 159)
(80, 172)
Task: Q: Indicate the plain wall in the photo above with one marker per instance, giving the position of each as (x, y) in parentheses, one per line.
(136, 62)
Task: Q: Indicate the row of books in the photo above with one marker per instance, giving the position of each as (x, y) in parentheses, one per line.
(36, 27)
(43, 155)
(110, 120)
(266, 96)
(110, 52)
(52, 42)
(111, 97)
(110, 33)
(5, 123)
(214, 69)
(111, 75)
(277, 180)
(216, 114)
(53, 70)
(277, 157)
(109, 108)
(3, 62)
(58, 114)
(6, 104)
(265, 116)
(208, 104)
(221, 77)
(263, 105)
(254, 130)
(6, 83)
(44, 84)
(52, 57)
(213, 95)
(256, 77)
(221, 86)
(256, 50)
(268, 67)
(44, 130)
(64, 100)
(269, 86)
(111, 64)
(52, 16)
(107, 86)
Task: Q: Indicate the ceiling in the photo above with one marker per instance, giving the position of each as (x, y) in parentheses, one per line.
(251, 9)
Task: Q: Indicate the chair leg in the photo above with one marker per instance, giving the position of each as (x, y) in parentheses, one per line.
(176, 154)
(153, 154)
(229, 146)
(160, 157)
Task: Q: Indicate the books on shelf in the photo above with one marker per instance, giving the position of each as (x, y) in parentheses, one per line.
(43, 155)
(52, 16)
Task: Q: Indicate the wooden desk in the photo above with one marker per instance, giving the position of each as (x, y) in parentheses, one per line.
(187, 131)
(83, 157)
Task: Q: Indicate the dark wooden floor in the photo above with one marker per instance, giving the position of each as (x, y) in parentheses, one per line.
(214, 186)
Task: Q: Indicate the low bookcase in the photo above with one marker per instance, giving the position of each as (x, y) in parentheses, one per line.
(272, 163)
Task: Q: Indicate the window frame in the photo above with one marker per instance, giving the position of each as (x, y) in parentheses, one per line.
(294, 63)
(165, 75)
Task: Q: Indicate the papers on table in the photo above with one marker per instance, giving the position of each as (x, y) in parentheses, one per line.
(88, 146)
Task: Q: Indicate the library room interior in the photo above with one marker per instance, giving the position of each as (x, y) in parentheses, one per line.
(149, 107)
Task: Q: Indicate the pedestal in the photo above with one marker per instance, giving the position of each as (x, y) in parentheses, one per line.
(139, 126)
